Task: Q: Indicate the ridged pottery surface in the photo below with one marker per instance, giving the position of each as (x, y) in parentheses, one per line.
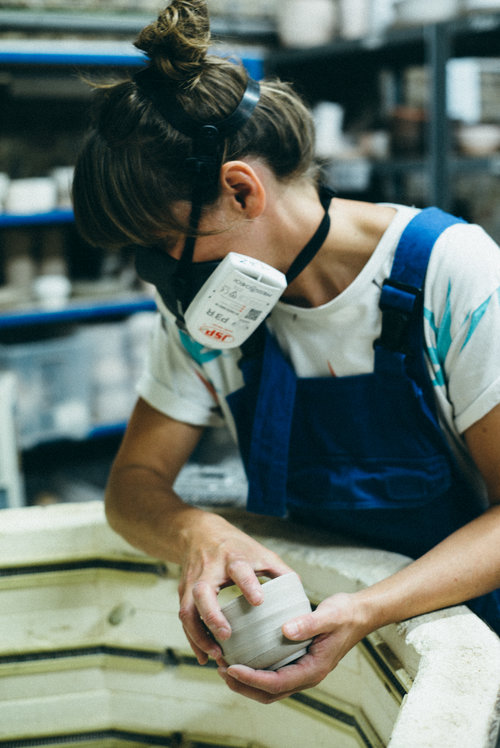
(256, 639)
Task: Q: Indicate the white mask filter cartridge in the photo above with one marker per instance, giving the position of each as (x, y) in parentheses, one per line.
(234, 301)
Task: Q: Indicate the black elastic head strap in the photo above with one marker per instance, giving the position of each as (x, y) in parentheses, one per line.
(163, 95)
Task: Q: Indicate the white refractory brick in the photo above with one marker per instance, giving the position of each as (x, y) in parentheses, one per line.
(91, 643)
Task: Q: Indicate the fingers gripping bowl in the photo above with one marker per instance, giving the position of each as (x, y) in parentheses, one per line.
(256, 639)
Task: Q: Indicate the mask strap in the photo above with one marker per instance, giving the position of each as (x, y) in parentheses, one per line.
(182, 273)
(254, 346)
(316, 242)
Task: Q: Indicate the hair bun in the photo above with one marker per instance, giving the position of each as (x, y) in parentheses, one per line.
(178, 41)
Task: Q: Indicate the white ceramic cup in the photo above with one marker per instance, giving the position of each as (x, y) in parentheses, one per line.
(4, 189)
(306, 23)
(328, 121)
(31, 195)
(256, 639)
(355, 18)
(52, 290)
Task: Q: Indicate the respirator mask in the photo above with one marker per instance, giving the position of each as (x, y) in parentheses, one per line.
(220, 303)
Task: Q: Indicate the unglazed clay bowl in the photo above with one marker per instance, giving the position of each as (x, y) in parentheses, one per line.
(256, 639)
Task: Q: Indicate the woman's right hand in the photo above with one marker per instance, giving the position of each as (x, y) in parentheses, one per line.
(142, 506)
(218, 555)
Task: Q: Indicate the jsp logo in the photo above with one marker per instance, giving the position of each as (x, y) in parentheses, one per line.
(216, 334)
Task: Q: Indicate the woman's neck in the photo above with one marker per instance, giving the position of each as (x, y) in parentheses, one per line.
(355, 230)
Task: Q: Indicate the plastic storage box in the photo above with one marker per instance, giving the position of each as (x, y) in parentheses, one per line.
(111, 391)
(53, 387)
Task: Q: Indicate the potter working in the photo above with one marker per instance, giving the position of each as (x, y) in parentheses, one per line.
(351, 349)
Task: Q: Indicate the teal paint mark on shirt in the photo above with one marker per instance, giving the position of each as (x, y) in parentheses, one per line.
(198, 352)
(438, 375)
(443, 338)
(474, 320)
(438, 353)
(429, 316)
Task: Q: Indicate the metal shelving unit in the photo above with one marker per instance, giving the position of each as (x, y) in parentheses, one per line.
(349, 69)
(21, 54)
(17, 56)
(51, 59)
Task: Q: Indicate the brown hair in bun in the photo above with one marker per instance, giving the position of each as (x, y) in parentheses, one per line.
(178, 41)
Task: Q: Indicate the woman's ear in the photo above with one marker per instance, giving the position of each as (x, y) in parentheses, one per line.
(243, 187)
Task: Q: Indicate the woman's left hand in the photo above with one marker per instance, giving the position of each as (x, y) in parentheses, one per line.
(336, 625)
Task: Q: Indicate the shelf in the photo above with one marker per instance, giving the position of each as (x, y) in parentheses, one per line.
(69, 52)
(469, 165)
(77, 311)
(405, 43)
(63, 53)
(107, 430)
(236, 26)
(348, 72)
(458, 164)
(100, 431)
(11, 220)
(474, 35)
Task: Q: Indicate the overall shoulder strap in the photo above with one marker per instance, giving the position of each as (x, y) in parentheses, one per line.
(401, 295)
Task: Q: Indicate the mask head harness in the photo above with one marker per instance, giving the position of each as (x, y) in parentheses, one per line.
(204, 165)
(186, 287)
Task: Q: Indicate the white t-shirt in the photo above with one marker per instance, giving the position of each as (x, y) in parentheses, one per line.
(461, 323)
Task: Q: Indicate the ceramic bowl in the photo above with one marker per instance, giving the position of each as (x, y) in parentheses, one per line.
(256, 639)
(415, 12)
(306, 23)
(479, 140)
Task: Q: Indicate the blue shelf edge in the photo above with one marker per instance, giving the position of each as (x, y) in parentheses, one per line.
(75, 312)
(105, 430)
(100, 58)
(60, 215)
(97, 431)
(61, 58)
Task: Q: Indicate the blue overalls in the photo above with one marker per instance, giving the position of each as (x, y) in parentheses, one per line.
(361, 455)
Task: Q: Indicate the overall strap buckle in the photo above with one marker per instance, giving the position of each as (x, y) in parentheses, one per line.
(400, 303)
(401, 299)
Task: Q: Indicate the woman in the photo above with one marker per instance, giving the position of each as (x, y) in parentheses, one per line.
(365, 403)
